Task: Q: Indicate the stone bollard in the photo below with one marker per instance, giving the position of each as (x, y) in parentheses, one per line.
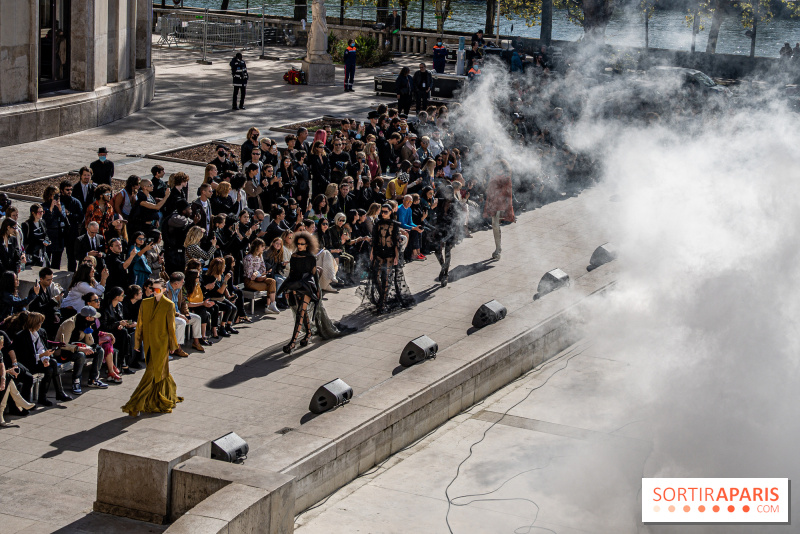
(134, 471)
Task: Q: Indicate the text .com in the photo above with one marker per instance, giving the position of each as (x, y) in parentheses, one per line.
(715, 500)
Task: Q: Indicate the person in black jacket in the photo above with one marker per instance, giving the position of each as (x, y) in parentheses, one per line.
(224, 160)
(239, 74)
(10, 300)
(30, 347)
(320, 168)
(74, 212)
(404, 86)
(34, 235)
(56, 222)
(91, 244)
(10, 255)
(47, 301)
(102, 168)
(423, 82)
(83, 190)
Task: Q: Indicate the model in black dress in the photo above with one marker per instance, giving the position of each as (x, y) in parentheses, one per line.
(448, 231)
(387, 286)
(301, 287)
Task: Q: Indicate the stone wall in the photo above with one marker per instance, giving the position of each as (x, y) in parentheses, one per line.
(109, 40)
(18, 38)
(64, 114)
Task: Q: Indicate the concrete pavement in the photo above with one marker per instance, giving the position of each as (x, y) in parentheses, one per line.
(570, 436)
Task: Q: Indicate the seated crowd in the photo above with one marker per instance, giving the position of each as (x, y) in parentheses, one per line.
(235, 235)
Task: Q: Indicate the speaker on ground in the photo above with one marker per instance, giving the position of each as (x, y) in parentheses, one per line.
(418, 350)
(489, 313)
(602, 255)
(551, 281)
(330, 395)
(229, 448)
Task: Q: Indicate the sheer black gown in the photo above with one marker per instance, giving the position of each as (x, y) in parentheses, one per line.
(386, 287)
(301, 288)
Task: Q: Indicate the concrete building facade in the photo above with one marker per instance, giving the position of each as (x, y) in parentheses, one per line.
(70, 65)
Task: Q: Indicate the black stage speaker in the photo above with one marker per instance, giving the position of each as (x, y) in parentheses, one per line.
(417, 350)
(602, 255)
(551, 281)
(489, 313)
(229, 448)
(330, 395)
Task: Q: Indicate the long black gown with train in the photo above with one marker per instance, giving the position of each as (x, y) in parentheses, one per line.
(386, 287)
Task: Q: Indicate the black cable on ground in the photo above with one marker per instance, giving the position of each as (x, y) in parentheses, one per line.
(450, 500)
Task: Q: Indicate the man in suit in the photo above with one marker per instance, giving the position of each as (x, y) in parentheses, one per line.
(102, 167)
(32, 352)
(83, 191)
(91, 244)
(201, 208)
(75, 214)
(47, 302)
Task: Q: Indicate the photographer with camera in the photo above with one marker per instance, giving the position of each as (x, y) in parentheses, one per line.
(225, 160)
(36, 238)
(47, 301)
(146, 210)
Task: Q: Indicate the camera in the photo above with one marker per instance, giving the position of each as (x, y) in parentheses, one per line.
(56, 197)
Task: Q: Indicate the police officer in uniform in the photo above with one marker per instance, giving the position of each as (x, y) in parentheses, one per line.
(439, 56)
(239, 74)
(349, 66)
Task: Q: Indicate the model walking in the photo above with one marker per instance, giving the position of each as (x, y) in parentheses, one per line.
(448, 231)
(302, 286)
(387, 285)
(499, 205)
(157, 392)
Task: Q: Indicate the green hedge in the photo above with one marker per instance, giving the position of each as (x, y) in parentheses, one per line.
(368, 54)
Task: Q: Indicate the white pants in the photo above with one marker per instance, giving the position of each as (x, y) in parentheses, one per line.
(180, 327)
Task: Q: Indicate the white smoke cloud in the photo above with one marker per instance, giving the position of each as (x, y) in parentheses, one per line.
(708, 300)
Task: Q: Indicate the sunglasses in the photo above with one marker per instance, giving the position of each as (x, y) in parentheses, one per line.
(301, 244)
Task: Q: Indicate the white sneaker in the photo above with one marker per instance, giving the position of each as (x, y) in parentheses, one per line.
(272, 309)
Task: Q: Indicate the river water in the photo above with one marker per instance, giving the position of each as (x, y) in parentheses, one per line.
(668, 29)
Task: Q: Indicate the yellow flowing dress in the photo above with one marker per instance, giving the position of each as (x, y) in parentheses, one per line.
(157, 392)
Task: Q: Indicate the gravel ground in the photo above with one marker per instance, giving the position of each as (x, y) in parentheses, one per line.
(204, 153)
(312, 126)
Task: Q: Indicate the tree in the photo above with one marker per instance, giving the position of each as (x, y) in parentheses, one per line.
(596, 14)
(546, 33)
(443, 12)
(491, 8)
(647, 7)
(718, 8)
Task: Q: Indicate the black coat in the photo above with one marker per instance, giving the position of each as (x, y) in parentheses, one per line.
(320, 174)
(83, 245)
(23, 347)
(34, 235)
(423, 78)
(10, 257)
(239, 72)
(404, 86)
(102, 171)
(77, 194)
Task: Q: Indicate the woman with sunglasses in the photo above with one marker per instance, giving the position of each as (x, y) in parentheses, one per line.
(387, 284)
(302, 286)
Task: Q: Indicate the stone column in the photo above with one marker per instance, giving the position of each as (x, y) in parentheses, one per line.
(89, 45)
(19, 52)
(144, 28)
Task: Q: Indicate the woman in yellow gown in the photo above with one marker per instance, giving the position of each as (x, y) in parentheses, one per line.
(157, 392)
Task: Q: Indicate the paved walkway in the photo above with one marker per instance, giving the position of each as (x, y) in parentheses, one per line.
(191, 105)
(48, 464)
(571, 433)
